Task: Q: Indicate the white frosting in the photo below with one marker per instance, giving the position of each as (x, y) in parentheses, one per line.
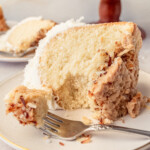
(2, 42)
(5, 44)
(31, 76)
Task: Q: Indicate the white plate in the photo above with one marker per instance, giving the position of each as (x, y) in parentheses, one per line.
(28, 137)
(14, 59)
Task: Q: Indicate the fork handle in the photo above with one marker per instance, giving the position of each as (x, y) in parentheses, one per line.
(119, 128)
(130, 130)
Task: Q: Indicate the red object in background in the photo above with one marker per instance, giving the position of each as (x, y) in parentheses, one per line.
(110, 10)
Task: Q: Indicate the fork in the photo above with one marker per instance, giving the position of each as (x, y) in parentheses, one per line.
(69, 129)
(11, 54)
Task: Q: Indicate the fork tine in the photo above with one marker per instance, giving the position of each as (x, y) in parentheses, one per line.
(49, 123)
(47, 132)
(55, 117)
(51, 130)
(44, 131)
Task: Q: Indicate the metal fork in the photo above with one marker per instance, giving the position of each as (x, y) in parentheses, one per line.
(69, 130)
(11, 54)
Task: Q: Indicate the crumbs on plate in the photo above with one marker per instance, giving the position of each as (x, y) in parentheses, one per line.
(83, 139)
(62, 144)
(86, 120)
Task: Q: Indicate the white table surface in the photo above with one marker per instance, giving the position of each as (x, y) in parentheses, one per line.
(135, 10)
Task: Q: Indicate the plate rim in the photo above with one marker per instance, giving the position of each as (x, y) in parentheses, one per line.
(11, 143)
(2, 137)
(15, 60)
(18, 147)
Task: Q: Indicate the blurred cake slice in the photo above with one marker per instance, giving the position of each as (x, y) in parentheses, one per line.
(3, 25)
(26, 34)
(29, 106)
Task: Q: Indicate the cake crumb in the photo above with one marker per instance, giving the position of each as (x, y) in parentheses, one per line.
(86, 120)
(147, 107)
(95, 116)
(87, 140)
(62, 144)
(83, 139)
(122, 120)
(47, 139)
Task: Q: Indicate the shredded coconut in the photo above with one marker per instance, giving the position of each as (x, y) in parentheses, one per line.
(32, 105)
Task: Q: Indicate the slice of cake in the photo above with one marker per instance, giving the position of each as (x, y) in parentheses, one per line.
(29, 106)
(3, 25)
(89, 66)
(26, 34)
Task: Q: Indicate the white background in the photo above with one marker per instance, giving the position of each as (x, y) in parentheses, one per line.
(137, 11)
